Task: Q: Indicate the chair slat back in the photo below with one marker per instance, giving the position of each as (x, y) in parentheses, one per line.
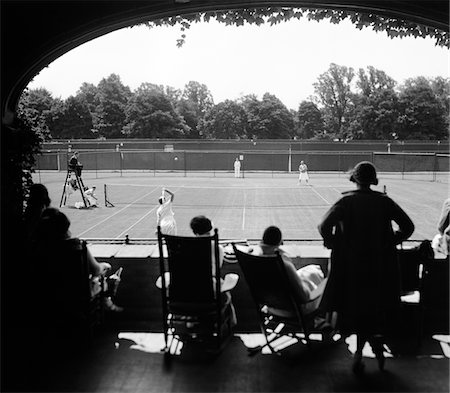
(267, 279)
(190, 263)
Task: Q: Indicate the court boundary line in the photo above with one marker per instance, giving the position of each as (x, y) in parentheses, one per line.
(117, 212)
(328, 203)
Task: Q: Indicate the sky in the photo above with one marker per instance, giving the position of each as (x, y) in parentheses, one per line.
(284, 60)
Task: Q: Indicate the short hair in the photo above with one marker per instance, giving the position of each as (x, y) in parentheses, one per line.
(272, 236)
(38, 196)
(161, 200)
(54, 224)
(201, 225)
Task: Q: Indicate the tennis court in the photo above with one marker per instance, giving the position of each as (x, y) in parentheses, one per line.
(240, 208)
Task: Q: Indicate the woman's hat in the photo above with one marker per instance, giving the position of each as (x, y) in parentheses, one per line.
(364, 173)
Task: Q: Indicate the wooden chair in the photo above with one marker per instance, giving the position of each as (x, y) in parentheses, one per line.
(194, 309)
(279, 313)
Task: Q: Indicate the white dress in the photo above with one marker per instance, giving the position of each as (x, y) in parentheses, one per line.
(165, 218)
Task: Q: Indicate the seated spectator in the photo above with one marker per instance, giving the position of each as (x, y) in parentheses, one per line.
(202, 226)
(441, 242)
(53, 233)
(308, 282)
(38, 201)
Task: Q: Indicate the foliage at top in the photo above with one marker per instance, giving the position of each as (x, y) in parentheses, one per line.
(273, 15)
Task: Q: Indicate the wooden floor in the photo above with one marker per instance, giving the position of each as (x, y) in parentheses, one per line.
(125, 362)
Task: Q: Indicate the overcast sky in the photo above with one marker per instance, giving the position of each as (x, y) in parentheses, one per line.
(284, 60)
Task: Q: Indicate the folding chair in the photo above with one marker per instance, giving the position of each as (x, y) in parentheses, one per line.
(279, 313)
(194, 309)
(413, 265)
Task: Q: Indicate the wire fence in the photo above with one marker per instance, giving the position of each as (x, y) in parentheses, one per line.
(431, 166)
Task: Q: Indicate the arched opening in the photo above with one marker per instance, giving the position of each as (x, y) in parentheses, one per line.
(59, 34)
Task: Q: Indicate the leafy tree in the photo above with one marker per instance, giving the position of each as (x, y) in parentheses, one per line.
(150, 114)
(112, 97)
(35, 107)
(195, 102)
(268, 118)
(310, 120)
(187, 111)
(72, 119)
(373, 80)
(88, 95)
(226, 120)
(333, 90)
(441, 89)
(375, 113)
(422, 115)
(376, 116)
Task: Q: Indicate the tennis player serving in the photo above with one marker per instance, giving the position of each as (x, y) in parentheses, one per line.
(164, 214)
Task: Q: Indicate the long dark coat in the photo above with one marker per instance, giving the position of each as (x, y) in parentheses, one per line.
(364, 282)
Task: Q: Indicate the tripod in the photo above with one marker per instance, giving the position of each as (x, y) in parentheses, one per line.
(80, 185)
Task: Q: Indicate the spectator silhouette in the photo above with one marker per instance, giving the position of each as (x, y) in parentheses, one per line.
(38, 201)
(363, 285)
(307, 282)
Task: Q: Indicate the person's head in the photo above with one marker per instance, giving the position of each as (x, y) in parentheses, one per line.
(302, 162)
(272, 236)
(54, 225)
(75, 153)
(201, 225)
(38, 196)
(161, 200)
(364, 174)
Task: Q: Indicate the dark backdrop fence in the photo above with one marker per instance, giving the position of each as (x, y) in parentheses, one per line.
(185, 162)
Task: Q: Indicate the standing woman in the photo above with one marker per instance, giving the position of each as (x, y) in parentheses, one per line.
(364, 283)
(164, 214)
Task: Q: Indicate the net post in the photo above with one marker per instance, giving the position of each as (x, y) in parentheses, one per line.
(107, 202)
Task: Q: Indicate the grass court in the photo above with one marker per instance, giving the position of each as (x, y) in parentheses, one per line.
(240, 208)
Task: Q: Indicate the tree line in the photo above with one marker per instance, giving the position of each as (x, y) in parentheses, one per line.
(346, 105)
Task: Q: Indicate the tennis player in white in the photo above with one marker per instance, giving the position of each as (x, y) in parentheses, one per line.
(303, 172)
(237, 168)
(164, 214)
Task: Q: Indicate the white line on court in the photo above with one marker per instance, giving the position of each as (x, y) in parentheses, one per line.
(328, 203)
(117, 212)
(138, 221)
